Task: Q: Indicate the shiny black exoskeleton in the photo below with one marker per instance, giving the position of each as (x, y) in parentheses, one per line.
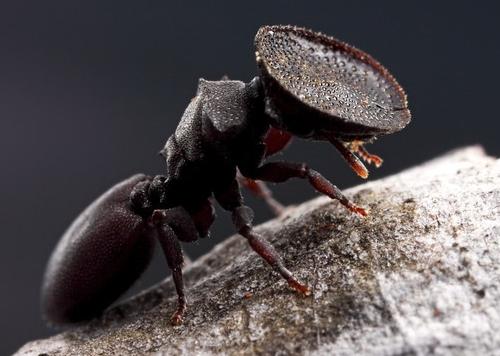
(310, 85)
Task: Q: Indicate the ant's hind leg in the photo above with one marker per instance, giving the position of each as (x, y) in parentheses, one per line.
(174, 225)
(278, 172)
(175, 259)
(231, 200)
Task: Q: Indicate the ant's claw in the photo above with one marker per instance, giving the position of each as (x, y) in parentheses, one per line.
(299, 287)
(361, 211)
(358, 210)
(177, 319)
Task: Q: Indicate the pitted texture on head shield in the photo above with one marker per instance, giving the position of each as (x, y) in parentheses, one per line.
(330, 79)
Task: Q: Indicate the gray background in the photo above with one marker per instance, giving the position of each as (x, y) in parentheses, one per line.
(90, 90)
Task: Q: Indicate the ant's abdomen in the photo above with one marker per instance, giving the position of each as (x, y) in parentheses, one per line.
(99, 257)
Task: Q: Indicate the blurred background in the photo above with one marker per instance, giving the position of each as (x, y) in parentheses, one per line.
(90, 91)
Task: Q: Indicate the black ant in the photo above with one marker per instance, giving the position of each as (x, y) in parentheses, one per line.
(311, 85)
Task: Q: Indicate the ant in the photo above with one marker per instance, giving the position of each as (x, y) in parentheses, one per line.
(310, 85)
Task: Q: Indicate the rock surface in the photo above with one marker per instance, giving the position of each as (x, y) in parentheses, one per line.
(419, 276)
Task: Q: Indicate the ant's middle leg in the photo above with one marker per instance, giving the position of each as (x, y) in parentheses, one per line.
(274, 142)
(278, 172)
(231, 200)
(173, 225)
(260, 190)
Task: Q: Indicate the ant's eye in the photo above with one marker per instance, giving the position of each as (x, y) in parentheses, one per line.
(314, 80)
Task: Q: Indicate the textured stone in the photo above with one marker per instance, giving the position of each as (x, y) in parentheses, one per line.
(419, 276)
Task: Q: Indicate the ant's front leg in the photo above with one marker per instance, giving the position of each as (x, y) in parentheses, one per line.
(278, 172)
(174, 225)
(231, 200)
(358, 147)
(347, 151)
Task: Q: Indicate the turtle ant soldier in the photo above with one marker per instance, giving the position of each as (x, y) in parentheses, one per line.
(310, 85)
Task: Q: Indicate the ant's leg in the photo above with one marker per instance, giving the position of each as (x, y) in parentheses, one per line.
(242, 218)
(357, 147)
(230, 199)
(278, 172)
(260, 190)
(174, 225)
(274, 142)
(350, 158)
(175, 259)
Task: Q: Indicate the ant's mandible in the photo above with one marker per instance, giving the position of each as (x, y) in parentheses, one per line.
(311, 85)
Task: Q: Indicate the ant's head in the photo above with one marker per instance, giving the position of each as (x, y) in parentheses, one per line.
(319, 87)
